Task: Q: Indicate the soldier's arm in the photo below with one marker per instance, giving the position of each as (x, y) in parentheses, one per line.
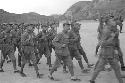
(74, 39)
(24, 38)
(56, 41)
(109, 40)
(38, 36)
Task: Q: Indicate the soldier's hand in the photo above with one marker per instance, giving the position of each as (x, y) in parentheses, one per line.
(64, 45)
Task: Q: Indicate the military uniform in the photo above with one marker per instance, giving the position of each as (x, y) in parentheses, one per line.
(43, 46)
(74, 51)
(61, 42)
(120, 23)
(117, 42)
(7, 48)
(107, 54)
(27, 46)
(52, 33)
(81, 50)
(62, 53)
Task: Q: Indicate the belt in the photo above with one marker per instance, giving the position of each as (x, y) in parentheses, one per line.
(107, 47)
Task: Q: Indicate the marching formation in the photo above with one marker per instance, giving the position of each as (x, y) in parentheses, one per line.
(66, 44)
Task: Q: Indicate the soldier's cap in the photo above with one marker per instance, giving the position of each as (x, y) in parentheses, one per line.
(44, 25)
(11, 24)
(52, 24)
(66, 24)
(111, 16)
(75, 24)
(4, 24)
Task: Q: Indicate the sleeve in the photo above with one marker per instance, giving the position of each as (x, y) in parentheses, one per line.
(109, 41)
(75, 37)
(38, 35)
(56, 41)
(24, 38)
(100, 27)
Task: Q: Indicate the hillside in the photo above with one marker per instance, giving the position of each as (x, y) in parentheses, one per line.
(91, 9)
(32, 17)
(77, 9)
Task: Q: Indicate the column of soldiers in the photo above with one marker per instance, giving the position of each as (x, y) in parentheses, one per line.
(66, 45)
(31, 47)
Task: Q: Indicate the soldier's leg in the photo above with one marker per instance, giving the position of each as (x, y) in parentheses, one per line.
(79, 59)
(68, 61)
(97, 47)
(13, 59)
(64, 68)
(24, 61)
(8, 60)
(48, 55)
(19, 55)
(37, 54)
(50, 49)
(82, 52)
(114, 64)
(34, 61)
(99, 67)
(40, 52)
(64, 64)
(19, 60)
(121, 59)
(3, 56)
(56, 64)
(121, 28)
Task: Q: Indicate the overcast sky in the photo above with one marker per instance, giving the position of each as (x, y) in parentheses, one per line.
(43, 7)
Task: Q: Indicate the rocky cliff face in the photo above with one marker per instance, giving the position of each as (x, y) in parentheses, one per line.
(91, 9)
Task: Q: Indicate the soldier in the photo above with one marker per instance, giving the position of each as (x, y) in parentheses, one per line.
(52, 34)
(120, 22)
(7, 48)
(73, 46)
(116, 39)
(43, 45)
(79, 46)
(108, 52)
(61, 42)
(99, 30)
(27, 49)
(119, 49)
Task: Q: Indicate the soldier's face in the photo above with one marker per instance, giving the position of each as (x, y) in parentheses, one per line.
(54, 25)
(79, 26)
(44, 28)
(112, 22)
(66, 27)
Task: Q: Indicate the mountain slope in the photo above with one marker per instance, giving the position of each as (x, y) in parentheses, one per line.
(91, 9)
(32, 17)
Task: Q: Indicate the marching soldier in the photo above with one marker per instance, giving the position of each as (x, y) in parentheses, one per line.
(61, 42)
(7, 48)
(100, 28)
(28, 51)
(43, 45)
(73, 45)
(79, 46)
(120, 22)
(52, 33)
(108, 52)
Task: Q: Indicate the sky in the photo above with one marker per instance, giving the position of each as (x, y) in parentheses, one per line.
(43, 7)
